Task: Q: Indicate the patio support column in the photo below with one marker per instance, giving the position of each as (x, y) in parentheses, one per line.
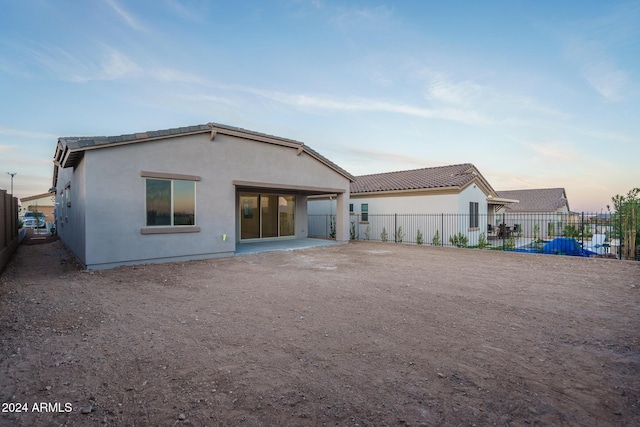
(301, 217)
(342, 217)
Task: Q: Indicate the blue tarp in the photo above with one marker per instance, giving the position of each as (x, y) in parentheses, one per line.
(560, 246)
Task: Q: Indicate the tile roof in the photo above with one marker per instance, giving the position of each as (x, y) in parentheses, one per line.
(540, 199)
(425, 178)
(70, 149)
(94, 141)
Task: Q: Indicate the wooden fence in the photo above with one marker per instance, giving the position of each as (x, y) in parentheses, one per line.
(8, 227)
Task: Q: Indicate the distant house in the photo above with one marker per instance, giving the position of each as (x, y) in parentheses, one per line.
(543, 212)
(187, 193)
(459, 192)
(44, 203)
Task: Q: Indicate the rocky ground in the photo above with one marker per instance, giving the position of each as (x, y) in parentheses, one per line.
(362, 334)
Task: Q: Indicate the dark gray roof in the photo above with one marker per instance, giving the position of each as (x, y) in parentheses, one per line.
(93, 141)
(416, 179)
(536, 200)
(71, 149)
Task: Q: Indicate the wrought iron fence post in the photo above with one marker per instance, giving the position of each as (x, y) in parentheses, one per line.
(395, 228)
(582, 229)
(620, 239)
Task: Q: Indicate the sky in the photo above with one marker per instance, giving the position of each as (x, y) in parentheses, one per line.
(535, 94)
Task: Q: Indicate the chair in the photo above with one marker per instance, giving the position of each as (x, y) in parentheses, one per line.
(505, 232)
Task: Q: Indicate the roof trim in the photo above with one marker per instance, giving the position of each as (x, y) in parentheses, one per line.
(409, 192)
(38, 196)
(274, 186)
(70, 150)
(500, 200)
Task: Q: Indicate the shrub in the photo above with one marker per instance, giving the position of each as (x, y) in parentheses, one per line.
(436, 239)
(399, 235)
(570, 231)
(384, 236)
(367, 233)
(332, 227)
(510, 243)
(352, 231)
(482, 241)
(419, 237)
(459, 240)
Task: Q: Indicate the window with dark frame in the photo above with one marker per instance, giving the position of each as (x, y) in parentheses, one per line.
(170, 202)
(474, 215)
(364, 209)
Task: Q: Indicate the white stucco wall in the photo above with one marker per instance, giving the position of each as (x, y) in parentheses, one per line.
(448, 214)
(115, 194)
(437, 203)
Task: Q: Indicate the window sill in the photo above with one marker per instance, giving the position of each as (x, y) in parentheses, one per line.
(364, 222)
(169, 230)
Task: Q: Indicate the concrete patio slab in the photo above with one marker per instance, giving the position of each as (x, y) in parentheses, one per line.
(246, 248)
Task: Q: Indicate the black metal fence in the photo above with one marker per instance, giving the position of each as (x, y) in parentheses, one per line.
(602, 234)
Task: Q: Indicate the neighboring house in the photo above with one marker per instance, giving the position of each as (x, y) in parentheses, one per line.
(448, 199)
(187, 193)
(541, 212)
(44, 203)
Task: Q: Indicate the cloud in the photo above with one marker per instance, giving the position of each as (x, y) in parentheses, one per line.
(592, 46)
(348, 17)
(389, 158)
(113, 66)
(606, 79)
(25, 134)
(126, 16)
(554, 152)
(311, 102)
(598, 68)
(173, 75)
(185, 12)
(442, 90)
(6, 149)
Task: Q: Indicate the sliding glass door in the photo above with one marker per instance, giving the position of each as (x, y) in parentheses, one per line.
(266, 215)
(249, 216)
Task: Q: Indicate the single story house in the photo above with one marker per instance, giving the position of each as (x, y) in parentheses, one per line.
(44, 203)
(539, 213)
(446, 200)
(187, 193)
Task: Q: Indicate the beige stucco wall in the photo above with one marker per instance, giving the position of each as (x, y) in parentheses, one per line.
(44, 204)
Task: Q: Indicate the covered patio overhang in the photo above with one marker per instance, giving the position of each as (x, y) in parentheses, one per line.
(499, 202)
(246, 189)
(289, 188)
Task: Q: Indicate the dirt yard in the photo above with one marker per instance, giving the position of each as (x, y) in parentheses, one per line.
(366, 334)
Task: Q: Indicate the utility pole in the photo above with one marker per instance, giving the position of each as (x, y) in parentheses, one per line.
(12, 175)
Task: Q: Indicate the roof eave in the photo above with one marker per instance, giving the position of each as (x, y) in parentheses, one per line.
(408, 192)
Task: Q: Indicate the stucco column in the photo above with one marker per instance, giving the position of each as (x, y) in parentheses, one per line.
(342, 217)
(301, 217)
